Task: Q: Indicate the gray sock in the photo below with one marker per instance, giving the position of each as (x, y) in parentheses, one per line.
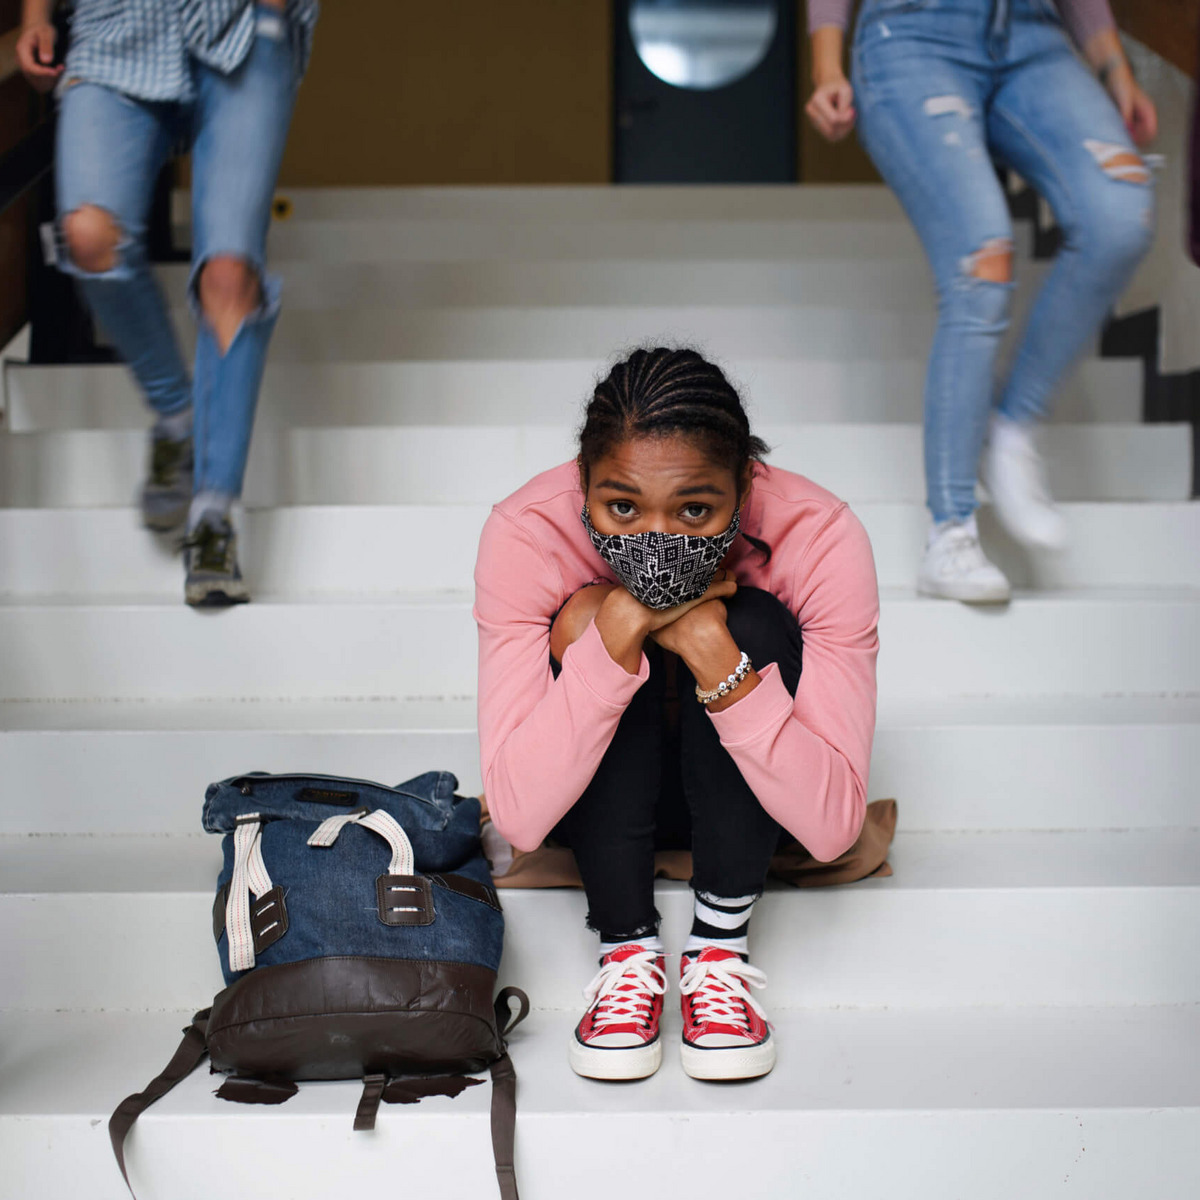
(210, 506)
(176, 425)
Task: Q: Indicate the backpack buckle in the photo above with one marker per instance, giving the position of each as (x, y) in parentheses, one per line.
(404, 900)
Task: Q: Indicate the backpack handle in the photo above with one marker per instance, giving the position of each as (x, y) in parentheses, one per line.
(378, 821)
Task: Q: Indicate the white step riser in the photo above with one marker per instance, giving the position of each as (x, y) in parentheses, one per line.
(349, 551)
(600, 333)
(481, 465)
(945, 777)
(863, 946)
(455, 240)
(1038, 647)
(915, 1155)
(853, 283)
(535, 392)
(812, 204)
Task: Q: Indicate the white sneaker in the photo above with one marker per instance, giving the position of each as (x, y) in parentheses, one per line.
(956, 568)
(1015, 477)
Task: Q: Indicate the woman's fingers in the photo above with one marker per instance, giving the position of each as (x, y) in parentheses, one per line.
(1143, 119)
(35, 53)
(831, 109)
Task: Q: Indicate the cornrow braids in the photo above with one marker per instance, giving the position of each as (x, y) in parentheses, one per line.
(662, 391)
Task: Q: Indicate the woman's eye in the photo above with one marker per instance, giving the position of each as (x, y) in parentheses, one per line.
(696, 512)
(621, 508)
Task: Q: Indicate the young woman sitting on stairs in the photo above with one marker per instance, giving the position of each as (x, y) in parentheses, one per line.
(677, 650)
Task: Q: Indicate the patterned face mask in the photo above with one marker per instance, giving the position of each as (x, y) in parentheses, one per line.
(662, 569)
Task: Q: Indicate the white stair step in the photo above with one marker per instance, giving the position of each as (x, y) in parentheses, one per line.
(981, 1103)
(443, 464)
(1091, 642)
(536, 392)
(331, 551)
(953, 765)
(986, 918)
(863, 285)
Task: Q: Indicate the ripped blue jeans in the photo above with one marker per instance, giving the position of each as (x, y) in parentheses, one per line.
(110, 150)
(946, 89)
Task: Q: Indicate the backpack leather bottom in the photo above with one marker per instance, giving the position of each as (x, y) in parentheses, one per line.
(346, 1017)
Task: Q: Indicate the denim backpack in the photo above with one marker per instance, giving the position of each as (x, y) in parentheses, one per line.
(359, 936)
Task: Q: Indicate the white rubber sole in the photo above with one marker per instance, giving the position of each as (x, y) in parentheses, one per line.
(634, 1062)
(965, 593)
(728, 1062)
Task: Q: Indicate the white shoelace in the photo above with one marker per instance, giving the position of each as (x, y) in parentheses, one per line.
(619, 1007)
(720, 989)
(959, 549)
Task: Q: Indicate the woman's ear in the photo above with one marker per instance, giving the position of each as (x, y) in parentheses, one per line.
(744, 483)
(583, 474)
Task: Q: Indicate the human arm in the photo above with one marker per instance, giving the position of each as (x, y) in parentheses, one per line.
(807, 758)
(831, 106)
(541, 738)
(35, 46)
(1101, 46)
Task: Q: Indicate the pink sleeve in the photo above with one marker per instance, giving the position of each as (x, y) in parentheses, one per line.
(807, 759)
(1085, 18)
(540, 738)
(828, 12)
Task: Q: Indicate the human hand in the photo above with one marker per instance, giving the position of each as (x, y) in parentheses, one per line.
(624, 623)
(831, 107)
(699, 626)
(1135, 106)
(575, 616)
(35, 54)
(658, 620)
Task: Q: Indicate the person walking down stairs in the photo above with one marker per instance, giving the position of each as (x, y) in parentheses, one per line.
(219, 76)
(644, 684)
(940, 93)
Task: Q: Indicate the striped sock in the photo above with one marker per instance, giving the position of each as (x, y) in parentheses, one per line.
(722, 921)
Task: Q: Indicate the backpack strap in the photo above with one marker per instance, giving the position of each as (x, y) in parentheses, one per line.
(504, 1125)
(186, 1059)
(368, 1105)
(504, 1094)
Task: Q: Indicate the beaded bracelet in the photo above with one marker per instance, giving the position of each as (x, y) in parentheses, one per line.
(727, 685)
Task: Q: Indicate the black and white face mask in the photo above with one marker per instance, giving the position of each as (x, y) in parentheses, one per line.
(662, 569)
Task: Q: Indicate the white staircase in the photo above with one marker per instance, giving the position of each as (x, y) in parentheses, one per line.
(1013, 1014)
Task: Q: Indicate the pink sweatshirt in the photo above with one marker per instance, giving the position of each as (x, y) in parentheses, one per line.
(542, 738)
(1083, 18)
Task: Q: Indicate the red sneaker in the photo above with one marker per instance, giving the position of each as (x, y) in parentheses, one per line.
(726, 1034)
(618, 1036)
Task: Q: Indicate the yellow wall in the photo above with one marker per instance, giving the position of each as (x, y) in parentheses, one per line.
(455, 91)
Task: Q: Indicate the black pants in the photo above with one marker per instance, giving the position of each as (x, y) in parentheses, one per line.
(669, 784)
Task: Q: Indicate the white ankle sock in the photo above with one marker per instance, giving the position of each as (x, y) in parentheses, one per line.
(176, 425)
(739, 945)
(654, 942)
(214, 506)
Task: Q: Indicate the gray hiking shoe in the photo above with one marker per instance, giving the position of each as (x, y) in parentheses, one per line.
(214, 579)
(167, 491)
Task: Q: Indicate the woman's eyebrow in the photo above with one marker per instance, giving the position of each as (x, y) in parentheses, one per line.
(701, 489)
(617, 486)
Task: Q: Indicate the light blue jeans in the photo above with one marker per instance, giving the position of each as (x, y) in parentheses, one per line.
(945, 89)
(110, 150)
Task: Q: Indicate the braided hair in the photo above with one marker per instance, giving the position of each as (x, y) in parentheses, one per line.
(659, 392)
